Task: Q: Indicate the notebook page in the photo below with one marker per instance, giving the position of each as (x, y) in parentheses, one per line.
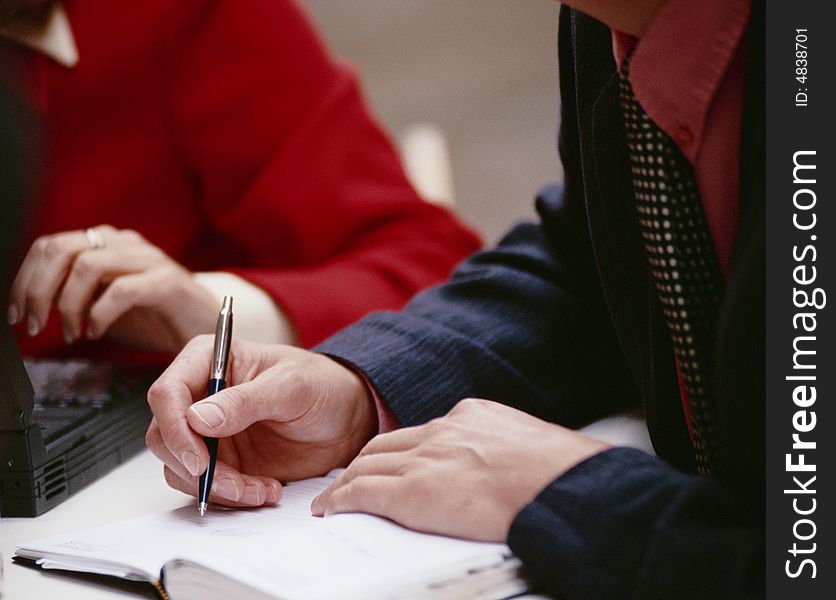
(348, 556)
(138, 548)
(102, 551)
(282, 550)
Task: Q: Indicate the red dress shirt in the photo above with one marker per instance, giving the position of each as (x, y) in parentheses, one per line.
(687, 71)
(227, 136)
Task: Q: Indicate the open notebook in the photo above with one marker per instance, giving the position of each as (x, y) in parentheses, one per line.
(283, 553)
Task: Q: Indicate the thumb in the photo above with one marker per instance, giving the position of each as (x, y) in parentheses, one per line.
(233, 409)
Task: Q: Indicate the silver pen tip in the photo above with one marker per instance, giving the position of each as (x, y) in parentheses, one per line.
(202, 508)
(227, 304)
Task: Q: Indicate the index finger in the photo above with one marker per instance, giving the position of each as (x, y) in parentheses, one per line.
(181, 384)
(42, 273)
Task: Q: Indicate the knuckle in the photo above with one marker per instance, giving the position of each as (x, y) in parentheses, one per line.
(468, 404)
(348, 493)
(43, 245)
(55, 245)
(360, 465)
(32, 297)
(68, 305)
(168, 274)
(36, 300)
(199, 342)
(51, 247)
(66, 308)
(131, 235)
(293, 378)
(431, 451)
(435, 427)
(415, 489)
(160, 392)
(371, 447)
(121, 290)
(157, 255)
(85, 265)
(235, 401)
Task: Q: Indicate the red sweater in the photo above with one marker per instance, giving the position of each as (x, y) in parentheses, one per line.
(227, 136)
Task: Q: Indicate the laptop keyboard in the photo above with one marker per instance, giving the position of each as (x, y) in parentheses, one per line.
(69, 392)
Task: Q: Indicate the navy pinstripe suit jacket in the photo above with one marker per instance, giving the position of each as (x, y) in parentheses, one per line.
(561, 320)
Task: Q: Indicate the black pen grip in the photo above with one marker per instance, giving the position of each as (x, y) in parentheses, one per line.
(205, 484)
(215, 386)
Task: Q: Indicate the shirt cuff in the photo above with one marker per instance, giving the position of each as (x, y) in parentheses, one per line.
(257, 317)
(54, 38)
(386, 419)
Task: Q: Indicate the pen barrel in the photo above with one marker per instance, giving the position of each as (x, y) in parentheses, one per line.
(215, 386)
(205, 482)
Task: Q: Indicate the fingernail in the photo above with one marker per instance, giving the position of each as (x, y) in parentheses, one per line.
(209, 413)
(274, 493)
(33, 326)
(191, 462)
(12, 315)
(227, 488)
(69, 338)
(315, 507)
(254, 490)
(91, 333)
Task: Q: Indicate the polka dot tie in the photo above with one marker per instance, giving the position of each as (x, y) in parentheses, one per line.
(682, 263)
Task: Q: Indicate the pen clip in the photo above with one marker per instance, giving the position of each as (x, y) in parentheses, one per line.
(223, 338)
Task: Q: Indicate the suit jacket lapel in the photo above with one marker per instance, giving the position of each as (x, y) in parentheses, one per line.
(622, 264)
(618, 246)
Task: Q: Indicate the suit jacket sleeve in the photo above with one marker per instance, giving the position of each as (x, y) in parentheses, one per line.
(624, 524)
(294, 174)
(507, 326)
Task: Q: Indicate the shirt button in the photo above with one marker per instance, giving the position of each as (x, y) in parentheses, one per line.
(684, 136)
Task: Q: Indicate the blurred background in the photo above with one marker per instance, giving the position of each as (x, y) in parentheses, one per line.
(483, 71)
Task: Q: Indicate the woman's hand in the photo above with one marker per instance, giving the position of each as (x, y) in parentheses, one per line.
(112, 282)
(466, 474)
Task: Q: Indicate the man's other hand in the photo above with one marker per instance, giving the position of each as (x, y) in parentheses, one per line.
(466, 474)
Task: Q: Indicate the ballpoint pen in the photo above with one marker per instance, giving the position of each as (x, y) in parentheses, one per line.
(217, 382)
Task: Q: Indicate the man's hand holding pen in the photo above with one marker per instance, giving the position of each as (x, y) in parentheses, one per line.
(287, 414)
(217, 382)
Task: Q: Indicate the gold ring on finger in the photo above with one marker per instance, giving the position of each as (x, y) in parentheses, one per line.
(95, 237)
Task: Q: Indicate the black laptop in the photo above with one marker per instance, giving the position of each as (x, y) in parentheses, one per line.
(64, 424)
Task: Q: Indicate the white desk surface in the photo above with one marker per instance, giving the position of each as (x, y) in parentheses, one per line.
(137, 488)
